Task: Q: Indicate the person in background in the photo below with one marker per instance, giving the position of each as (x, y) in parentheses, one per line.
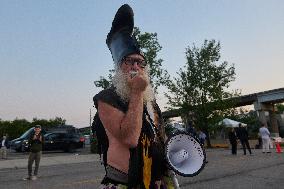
(265, 136)
(202, 137)
(233, 140)
(259, 139)
(3, 147)
(242, 135)
(36, 141)
(191, 130)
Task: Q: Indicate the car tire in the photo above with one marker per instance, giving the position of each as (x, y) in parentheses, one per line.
(23, 149)
(18, 150)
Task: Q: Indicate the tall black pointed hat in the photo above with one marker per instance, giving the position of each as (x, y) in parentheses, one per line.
(120, 40)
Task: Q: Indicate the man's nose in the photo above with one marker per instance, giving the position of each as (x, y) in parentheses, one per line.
(135, 65)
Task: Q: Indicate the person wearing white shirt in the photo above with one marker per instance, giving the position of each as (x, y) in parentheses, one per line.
(3, 147)
(265, 136)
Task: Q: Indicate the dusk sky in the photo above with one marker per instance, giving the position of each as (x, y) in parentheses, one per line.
(52, 51)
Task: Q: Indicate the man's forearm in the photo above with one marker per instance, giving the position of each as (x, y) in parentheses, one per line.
(132, 122)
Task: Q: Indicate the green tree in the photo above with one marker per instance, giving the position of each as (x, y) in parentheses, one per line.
(105, 82)
(199, 90)
(150, 47)
(57, 121)
(280, 108)
(14, 128)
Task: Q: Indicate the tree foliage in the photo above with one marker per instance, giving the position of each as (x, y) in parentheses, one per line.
(105, 82)
(280, 108)
(200, 90)
(150, 47)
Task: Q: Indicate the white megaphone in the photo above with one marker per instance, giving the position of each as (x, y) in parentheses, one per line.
(184, 154)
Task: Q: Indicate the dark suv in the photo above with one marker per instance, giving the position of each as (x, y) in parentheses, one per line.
(57, 139)
(65, 141)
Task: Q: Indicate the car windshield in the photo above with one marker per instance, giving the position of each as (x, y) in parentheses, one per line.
(27, 133)
(46, 135)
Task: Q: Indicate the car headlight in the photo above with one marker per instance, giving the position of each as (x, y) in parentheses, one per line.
(25, 141)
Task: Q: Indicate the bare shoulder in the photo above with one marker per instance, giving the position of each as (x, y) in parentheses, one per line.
(110, 116)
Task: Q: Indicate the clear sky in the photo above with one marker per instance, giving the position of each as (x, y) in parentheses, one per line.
(52, 51)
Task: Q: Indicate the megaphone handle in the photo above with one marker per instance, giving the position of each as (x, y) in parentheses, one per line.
(174, 179)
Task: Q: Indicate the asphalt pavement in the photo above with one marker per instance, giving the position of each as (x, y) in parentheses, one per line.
(83, 170)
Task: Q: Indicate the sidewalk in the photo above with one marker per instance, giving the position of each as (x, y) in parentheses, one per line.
(47, 161)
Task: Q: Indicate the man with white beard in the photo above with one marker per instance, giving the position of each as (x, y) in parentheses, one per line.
(128, 121)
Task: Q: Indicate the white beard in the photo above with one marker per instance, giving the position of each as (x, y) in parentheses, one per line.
(119, 81)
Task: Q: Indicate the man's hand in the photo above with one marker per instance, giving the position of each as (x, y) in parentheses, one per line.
(35, 137)
(138, 82)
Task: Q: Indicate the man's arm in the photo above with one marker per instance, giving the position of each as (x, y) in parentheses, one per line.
(246, 133)
(238, 133)
(267, 131)
(30, 139)
(124, 127)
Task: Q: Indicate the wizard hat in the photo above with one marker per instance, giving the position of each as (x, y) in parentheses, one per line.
(120, 40)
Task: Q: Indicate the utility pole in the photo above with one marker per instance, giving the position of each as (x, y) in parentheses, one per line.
(91, 134)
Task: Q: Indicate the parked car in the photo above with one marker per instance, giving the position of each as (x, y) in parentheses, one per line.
(65, 141)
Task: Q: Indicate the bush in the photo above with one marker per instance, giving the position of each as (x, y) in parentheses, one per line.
(94, 146)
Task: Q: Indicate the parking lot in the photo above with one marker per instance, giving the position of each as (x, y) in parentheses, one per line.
(83, 170)
(12, 154)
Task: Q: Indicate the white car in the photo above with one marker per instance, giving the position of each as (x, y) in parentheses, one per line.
(87, 139)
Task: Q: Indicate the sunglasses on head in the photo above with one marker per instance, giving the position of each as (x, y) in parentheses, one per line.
(131, 61)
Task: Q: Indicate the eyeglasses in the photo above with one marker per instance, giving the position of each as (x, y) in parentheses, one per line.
(131, 61)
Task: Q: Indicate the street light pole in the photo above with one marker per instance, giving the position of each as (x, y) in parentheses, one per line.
(91, 122)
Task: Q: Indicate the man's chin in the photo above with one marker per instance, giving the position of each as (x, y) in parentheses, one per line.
(123, 90)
